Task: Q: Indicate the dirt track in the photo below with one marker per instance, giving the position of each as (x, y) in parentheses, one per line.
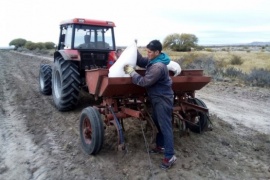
(38, 142)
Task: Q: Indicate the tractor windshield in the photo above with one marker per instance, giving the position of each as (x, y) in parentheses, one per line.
(93, 37)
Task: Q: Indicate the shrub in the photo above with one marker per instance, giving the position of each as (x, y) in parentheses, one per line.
(40, 45)
(223, 49)
(258, 77)
(233, 72)
(199, 48)
(49, 45)
(209, 50)
(236, 60)
(187, 59)
(207, 63)
(17, 42)
(30, 45)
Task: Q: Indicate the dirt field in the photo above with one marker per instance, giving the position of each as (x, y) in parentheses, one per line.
(39, 142)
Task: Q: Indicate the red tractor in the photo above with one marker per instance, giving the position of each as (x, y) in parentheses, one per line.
(84, 44)
(85, 52)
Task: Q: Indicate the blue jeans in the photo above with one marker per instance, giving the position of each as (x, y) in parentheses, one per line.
(162, 117)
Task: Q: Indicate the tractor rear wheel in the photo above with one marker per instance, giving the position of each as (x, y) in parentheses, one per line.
(202, 118)
(65, 84)
(45, 79)
(91, 130)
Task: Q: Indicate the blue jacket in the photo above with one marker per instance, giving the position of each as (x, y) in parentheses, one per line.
(156, 79)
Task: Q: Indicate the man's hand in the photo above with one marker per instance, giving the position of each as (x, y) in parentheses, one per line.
(128, 69)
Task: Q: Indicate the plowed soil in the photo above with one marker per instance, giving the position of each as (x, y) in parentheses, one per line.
(39, 142)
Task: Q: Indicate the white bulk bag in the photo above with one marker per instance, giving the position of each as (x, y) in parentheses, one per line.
(128, 56)
(175, 67)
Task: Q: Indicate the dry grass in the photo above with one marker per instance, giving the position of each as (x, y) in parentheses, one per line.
(251, 60)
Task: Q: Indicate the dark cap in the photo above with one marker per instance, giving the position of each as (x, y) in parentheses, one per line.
(154, 45)
(119, 50)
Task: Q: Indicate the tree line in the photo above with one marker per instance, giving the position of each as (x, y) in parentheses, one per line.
(20, 42)
(175, 42)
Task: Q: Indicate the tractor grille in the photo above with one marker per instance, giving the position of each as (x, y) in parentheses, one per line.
(94, 60)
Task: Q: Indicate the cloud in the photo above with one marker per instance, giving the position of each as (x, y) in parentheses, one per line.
(209, 20)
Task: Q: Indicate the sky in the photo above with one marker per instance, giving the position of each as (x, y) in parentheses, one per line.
(213, 22)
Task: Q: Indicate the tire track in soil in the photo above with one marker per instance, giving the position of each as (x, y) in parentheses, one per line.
(16, 143)
(243, 111)
(31, 161)
(54, 137)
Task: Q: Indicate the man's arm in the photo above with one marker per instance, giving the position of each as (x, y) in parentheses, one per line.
(141, 61)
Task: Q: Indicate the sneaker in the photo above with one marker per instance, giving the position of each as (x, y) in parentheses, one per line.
(167, 163)
(157, 150)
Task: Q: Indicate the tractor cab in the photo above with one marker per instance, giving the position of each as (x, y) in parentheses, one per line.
(92, 41)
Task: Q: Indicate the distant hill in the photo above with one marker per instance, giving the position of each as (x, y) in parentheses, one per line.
(259, 43)
(255, 43)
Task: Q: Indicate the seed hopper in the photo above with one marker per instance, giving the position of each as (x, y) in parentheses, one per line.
(121, 99)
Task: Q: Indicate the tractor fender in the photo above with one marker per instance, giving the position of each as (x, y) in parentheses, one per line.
(68, 54)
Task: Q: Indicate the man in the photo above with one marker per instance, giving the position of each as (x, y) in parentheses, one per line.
(158, 85)
(118, 53)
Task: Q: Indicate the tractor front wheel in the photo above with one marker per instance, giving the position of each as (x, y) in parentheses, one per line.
(45, 79)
